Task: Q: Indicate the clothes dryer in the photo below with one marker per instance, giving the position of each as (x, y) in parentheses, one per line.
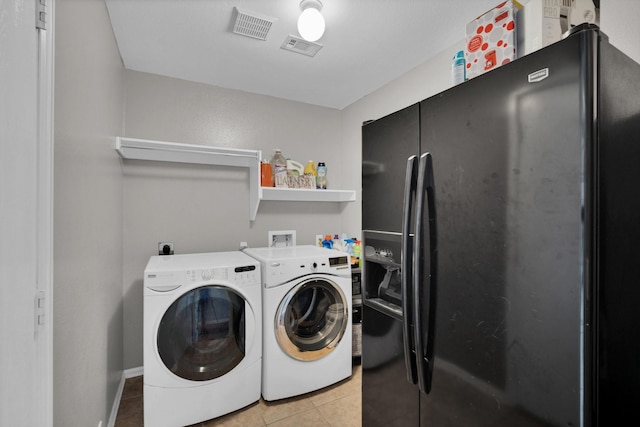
(202, 336)
(307, 330)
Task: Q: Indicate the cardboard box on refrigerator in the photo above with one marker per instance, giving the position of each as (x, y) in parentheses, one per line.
(538, 25)
(491, 39)
(543, 22)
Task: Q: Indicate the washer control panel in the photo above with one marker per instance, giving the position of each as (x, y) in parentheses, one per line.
(241, 275)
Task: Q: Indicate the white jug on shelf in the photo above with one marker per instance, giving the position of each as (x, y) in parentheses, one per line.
(294, 168)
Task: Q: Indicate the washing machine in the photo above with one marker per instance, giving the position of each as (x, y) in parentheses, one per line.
(202, 336)
(306, 304)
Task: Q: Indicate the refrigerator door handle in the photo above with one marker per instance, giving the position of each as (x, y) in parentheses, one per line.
(410, 354)
(424, 303)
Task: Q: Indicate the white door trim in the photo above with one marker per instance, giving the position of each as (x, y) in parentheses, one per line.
(26, 172)
(44, 215)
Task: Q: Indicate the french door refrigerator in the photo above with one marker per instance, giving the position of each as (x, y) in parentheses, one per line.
(501, 233)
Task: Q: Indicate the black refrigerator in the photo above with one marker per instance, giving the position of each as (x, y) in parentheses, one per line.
(501, 247)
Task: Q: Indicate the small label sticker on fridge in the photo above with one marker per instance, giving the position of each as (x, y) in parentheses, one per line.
(539, 75)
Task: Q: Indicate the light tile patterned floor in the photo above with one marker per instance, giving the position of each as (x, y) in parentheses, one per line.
(336, 406)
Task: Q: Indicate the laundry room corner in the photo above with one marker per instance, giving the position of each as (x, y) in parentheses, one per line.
(203, 208)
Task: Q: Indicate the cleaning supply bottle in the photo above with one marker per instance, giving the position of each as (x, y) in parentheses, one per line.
(279, 165)
(266, 174)
(458, 68)
(321, 178)
(310, 174)
(310, 169)
(357, 252)
(294, 168)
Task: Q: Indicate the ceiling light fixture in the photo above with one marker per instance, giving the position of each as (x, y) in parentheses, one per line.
(311, 21)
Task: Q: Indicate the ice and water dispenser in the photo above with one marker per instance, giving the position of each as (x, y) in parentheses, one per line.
(382, 273)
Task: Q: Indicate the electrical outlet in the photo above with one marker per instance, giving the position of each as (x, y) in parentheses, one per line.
(165, 248)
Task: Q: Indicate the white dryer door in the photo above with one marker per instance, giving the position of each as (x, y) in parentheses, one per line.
(312, 319)
(203, 334)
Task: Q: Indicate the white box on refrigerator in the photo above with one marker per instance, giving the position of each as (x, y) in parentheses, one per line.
(543, 22)
(538, 25)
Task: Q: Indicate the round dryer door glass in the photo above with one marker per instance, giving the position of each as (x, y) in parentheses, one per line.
(311, 319)
(202, 334)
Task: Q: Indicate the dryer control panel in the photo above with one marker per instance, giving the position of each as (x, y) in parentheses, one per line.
(338, 261)
(277, 272)
(282, 264)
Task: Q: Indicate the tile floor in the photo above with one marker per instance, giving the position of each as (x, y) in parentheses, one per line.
(338, 405)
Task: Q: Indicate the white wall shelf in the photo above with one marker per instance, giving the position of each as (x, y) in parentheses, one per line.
(144, 149)
(306, 195)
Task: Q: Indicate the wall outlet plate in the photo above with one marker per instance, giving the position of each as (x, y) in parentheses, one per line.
(165, 248)
(281, 238)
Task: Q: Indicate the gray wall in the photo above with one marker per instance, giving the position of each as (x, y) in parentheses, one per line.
(206, 208)
(619, 20)
(87, 289)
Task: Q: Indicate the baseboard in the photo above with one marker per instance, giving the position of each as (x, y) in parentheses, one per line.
(133, 372)
(127, 373)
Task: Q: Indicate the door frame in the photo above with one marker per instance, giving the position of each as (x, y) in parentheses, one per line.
(44, 216)
(26, 184)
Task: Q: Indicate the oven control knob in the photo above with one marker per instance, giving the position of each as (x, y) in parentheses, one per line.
(206, 274)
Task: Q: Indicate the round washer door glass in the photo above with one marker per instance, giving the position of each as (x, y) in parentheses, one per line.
(311, 319)
(202, 334)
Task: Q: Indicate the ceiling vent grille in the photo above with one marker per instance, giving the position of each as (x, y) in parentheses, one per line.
(252, 24)
(298, 45)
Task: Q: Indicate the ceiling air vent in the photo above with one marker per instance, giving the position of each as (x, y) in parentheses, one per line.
(252, 24)
(296, 44)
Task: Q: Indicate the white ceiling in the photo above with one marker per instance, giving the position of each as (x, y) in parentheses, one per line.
(366, 44)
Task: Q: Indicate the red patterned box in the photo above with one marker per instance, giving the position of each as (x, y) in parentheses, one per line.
(491, 39)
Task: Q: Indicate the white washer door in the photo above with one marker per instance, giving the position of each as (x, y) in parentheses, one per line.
(311, 319)
(202, 335)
